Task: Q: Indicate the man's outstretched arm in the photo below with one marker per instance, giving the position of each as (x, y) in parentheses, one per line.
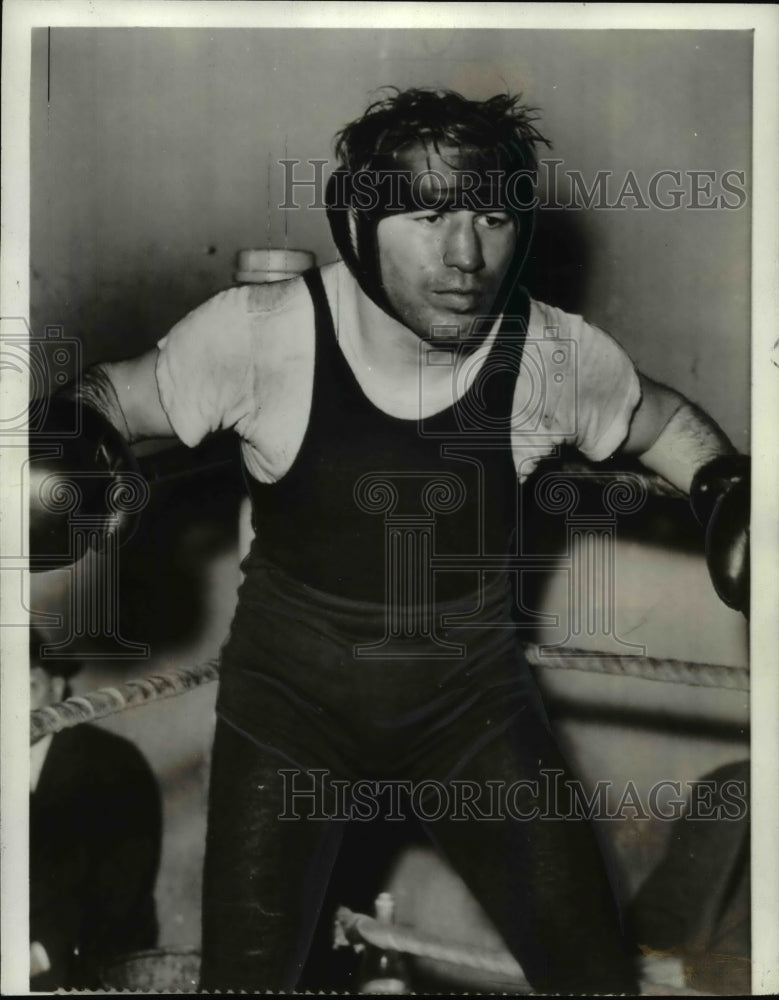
(672, 437)
(110, 406)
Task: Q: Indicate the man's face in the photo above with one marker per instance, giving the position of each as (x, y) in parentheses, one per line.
(442, 265)
(44, 690)
(444, 269)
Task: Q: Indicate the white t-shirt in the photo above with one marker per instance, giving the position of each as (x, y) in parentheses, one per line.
(245, 357)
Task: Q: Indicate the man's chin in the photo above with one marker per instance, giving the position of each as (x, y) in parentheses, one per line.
(456, 330)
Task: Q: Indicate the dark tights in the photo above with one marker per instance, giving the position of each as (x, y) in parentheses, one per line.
(541, 881)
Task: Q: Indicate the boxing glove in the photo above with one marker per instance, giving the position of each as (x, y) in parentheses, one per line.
(81, 469)
(720, 498)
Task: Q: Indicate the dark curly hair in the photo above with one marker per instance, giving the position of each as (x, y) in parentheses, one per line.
(501, 128)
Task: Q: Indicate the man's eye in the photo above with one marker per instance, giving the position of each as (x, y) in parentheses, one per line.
(495, 221)
(430, 219)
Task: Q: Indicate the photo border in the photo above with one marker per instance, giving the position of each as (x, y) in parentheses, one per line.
(20, 16)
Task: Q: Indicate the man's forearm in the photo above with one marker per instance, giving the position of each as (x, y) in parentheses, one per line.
(95, 388)
(688, 441)
(693, 454)
(126, 394)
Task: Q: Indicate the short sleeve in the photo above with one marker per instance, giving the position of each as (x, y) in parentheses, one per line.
(598, 388)
(608, 393)
(204, 367)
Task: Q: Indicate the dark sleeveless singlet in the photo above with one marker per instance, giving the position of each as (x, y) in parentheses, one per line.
(356, 646)
(367, 490)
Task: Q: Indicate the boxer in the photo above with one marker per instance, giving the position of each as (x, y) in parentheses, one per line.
(392, 383)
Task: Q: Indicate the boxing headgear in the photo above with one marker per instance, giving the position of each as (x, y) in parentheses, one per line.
(423, 175)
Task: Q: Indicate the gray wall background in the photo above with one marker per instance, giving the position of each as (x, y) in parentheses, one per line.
(154, 160)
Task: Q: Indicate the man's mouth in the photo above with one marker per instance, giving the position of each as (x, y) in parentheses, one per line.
(458, 299)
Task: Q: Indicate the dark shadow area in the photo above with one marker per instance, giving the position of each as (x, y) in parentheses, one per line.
(663, 518)
(556, 269)
(661, 723)
(696, 900)
(190, 520)
(367, 855)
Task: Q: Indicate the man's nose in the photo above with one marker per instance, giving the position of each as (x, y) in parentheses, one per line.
(463, 246)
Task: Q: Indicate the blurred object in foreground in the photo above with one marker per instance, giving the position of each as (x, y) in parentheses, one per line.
(696, 903)
(160, 970)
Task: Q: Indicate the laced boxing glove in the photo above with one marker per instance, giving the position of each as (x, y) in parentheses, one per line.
(720, 496)
(91, 475)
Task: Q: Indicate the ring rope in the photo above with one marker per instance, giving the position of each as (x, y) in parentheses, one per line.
(109, 700)
(643, 668)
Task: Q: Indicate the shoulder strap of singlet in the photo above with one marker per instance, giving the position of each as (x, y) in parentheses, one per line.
(498, 374)
(516, 314)
(331, 369)
(316, 289)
